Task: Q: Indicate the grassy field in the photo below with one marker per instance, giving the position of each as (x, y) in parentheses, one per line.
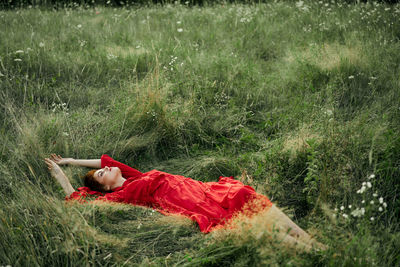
(300, 100)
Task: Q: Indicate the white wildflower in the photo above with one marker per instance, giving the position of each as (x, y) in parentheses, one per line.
(349, 206)
(384, 204)
(372, 202)
(180, 30)
(17, 59)
(342, 208)
(369, 184)
(380, 209)
(41, 44)
(381, 200)
(65, 134)
(79, 26)
(375, 194)
(111, 56)
(358, 212)
(363, 201)
(299, 4)
(345, 215)
(19, 51)
(371, 176)
(351, 77)
(372, 218)
(178, 22)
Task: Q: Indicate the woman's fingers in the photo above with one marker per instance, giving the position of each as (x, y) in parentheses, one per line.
(54, 156)
(49, 166)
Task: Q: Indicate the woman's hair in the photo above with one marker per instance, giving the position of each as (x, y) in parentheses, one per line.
(92, 183)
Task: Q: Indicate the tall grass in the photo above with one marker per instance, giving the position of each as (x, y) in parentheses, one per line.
(298, 99)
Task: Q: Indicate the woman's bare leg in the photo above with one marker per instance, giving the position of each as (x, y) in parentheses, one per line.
(278, 220)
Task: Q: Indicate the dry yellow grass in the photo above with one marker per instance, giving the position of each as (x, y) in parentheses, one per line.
(296, 141)
(328, 55)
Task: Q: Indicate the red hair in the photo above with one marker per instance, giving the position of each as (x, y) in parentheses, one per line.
(92, 183)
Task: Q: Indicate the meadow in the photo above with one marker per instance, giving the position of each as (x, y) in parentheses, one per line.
(299, 99)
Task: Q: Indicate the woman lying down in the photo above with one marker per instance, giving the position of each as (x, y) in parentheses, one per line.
(210, 204)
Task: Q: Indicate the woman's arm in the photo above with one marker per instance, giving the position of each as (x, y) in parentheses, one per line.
(91, 163)
(60, 176)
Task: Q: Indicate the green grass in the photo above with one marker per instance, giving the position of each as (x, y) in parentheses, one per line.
(303, 105)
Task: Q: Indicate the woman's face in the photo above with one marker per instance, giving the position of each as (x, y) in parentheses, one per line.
(107, 175)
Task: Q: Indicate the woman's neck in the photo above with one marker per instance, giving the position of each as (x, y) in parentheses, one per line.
(119, 182)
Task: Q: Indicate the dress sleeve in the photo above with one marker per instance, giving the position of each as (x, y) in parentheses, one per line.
(83, 194)
(126, 171)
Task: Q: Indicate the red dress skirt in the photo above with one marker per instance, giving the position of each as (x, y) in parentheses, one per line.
(210, 204)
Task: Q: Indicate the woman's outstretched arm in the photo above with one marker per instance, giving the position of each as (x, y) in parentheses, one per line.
(60, 176)
(91, 163)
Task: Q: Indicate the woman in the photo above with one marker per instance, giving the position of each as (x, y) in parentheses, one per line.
(210, 204)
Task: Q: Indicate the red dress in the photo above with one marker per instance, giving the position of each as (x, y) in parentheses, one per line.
(210, 204)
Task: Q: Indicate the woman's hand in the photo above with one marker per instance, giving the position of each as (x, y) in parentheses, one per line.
(59, 175)
(55, 170)
(61, 161)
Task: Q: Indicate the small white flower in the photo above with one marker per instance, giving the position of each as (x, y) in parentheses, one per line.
(178, 22)
(138, 46)
(372, 202)
(358, 191)
(364, 183)
(140, 224)
(371, 176)
(380, 209)
(351, 77)
(79, 26)
(349, 206)
(384, 204)
(65, 134)
(342, 208)
(381, 200)
(41, 44)
(336, 209)
(369, 184)
(180, 30)
(363, 201)
(19, 51)
(345, 215)
(375, 194)
(372, 218)
(17, 59)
